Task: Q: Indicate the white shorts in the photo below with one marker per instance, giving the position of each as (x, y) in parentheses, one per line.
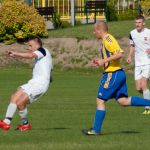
(34, 89)
(142, 71)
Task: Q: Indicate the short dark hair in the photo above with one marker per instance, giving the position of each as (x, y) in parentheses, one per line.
(140, 17)
(37, 39)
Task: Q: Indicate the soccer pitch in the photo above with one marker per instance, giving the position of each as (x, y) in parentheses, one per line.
(68, 107)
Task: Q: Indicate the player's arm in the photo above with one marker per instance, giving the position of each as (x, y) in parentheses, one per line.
(116, 56)
(130, 55)
(21, 55)
(131, 50)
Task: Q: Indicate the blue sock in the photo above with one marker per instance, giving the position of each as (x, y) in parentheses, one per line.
(138, 101)
(99, 117)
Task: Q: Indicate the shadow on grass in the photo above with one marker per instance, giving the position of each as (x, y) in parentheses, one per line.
(61, 128)
(122, 132)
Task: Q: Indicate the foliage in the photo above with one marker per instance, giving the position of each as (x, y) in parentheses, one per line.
(20, 21)
(66, 24)
(110, 12)
(145, 6)
(58, 23)
(78, 23)
(127, 15)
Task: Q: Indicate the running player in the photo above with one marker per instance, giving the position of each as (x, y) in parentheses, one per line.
(113, 82)
(34, 88)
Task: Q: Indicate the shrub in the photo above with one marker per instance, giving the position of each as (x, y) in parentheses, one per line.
(57, 21)
(20, 21)
(66, 24)
(110, 12)
(127, 15)
(78, 23)
(145, 6)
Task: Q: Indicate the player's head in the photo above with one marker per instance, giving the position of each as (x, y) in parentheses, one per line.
(34, 43)
(100, 29)
(139, 23)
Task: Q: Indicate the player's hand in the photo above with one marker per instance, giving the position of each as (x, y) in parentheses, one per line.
(148, 51)
(94, 63)
(129, 60)
(10, 53)
(98, 62)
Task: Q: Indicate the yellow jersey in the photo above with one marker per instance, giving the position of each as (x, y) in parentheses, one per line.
(109, 48)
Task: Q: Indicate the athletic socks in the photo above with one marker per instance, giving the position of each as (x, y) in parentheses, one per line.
(10, 112)
(99, 117)
(138, 101)
(23, 114)
(146, 95)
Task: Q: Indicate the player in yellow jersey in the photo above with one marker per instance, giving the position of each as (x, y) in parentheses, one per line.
(113, 82)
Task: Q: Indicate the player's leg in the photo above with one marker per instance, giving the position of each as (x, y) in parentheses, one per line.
(146, 93)
(98, 119)
(11, 109)
(133, 101)
(23, 112)
(105, 93)
(142, 75)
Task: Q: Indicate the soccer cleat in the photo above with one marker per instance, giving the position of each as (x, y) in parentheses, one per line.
(90, 132)
(146, 112)
(22, 127)
(4, 125)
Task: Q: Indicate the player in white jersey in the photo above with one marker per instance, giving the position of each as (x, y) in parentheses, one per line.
(140, 46)
(34, 88)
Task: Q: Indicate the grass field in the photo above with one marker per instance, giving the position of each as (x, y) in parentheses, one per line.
(67, 108)
(118, 29)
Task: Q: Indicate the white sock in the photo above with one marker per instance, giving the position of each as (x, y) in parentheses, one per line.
(23, 114)
(10, 112)
(146, 95)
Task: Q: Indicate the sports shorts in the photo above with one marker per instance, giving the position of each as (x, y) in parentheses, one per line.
(142, 71)
(34, 89)
(113, 85)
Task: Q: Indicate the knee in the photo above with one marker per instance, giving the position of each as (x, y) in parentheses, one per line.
(100, 104)
(139, 89)
(20, 105)
(124, 102)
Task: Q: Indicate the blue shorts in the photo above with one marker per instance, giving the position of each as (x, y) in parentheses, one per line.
(113, 85)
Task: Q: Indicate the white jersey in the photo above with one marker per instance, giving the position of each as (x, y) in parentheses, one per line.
(141, 42)
(42, 67)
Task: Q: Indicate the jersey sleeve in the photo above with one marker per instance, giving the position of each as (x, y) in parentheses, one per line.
(131, 40)
(40, 53)
(112, 45)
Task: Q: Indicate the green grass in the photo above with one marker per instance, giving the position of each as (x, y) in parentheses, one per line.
(67, 108)
(118, 29)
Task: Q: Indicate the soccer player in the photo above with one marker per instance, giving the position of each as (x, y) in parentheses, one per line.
(113, 82)
(140, 46)
(34, 88)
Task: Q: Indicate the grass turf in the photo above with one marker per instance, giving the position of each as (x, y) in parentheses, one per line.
(119, 29)
(67, 108)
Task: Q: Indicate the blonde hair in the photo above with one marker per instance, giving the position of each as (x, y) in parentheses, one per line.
(101, 25)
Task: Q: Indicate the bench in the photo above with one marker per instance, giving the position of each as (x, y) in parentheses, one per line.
(47, 12)
(96, 6)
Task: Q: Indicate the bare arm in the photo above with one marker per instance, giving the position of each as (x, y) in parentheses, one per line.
(21, 55)
(101, 62)
(130, 55)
